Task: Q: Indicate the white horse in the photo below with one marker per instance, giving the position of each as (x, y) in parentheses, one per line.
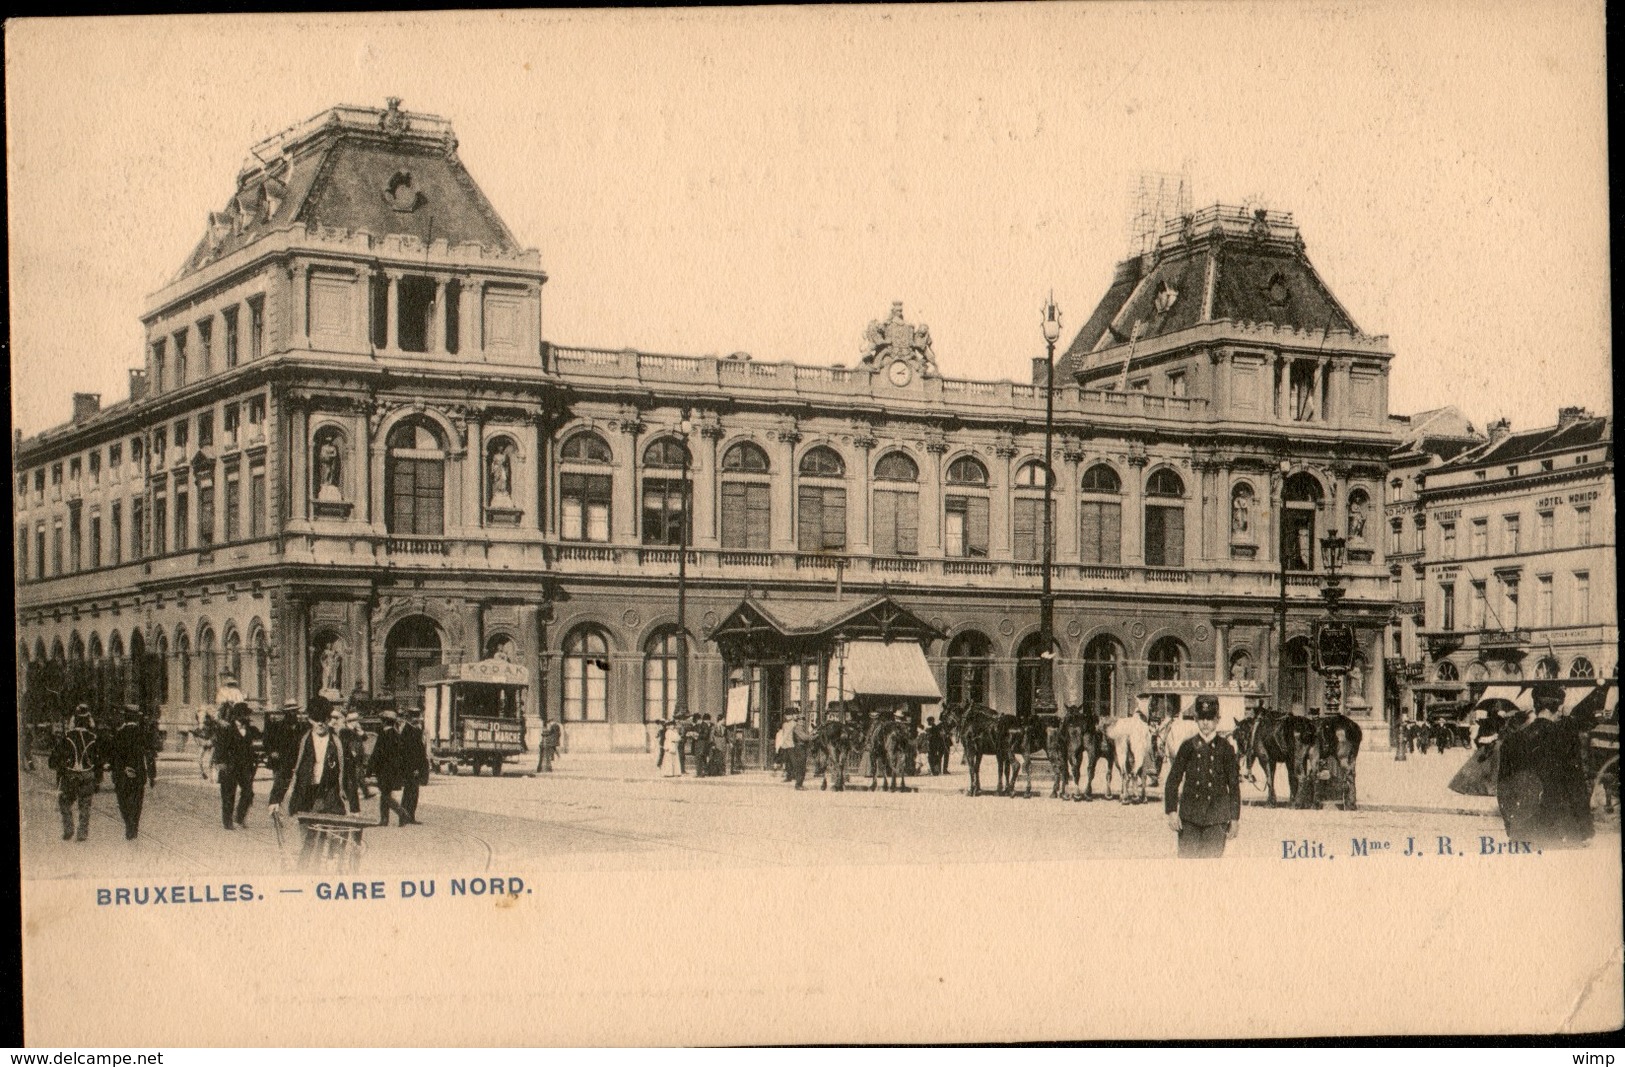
(1130, 737)
(1170, 735)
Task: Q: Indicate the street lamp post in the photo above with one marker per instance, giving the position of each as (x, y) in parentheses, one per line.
(681, 707)
(1332, 547)
(1044, 699)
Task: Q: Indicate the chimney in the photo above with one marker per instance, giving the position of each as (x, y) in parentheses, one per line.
(85, 405)
(1499, 429)
(138, 385)
(1569, 416)
(1040, 370)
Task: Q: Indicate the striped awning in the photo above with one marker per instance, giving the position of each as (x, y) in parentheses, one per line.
(884, 669)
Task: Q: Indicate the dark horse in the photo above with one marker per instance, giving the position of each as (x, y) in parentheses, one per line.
(891, 756)
(1267, 737)
(829, 748)
(1317, 740)
(979, 733)
(1020, 739)
(1075, 737)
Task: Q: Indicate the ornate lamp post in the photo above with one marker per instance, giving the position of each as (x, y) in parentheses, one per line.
(681, 707)
(1044, 699)
(1335, 653)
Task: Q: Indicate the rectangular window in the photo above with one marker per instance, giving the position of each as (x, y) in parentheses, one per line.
(1447, 540)
(1481, 537)
(228, 425)
(584, 501)
(95, 541)
(73, 470)
(115, 456)
(115, 535)
(205, 429)
(1546, 525)
(39, 551)
(1509, 598)
(96, 467)
(22, 553)
(183, 516)
(1100, 532)
(205, 345)
(1480, 603)
(256, 327)
(56, 476)
(1396, 530)
(75, 538)
(1164, 536)
(965, 535)
(56, 548)
(1545, 581)
(180, 360)
(896, 523)
(663, 512)
(1176, 384)
(181, 437)
(138, 525)
(1447, 607)
(234, 505)
(1511, 526)
(39, 485)
(256, 410)
(205, 512)
(417, 496)
(1027, 529)
(1582, 525)
(256, 500)
(1582, 596)
(820, 519)
(746, 516)
(158, 361)
(229, 323)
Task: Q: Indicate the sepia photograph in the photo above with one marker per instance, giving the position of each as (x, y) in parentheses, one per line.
(790, 526)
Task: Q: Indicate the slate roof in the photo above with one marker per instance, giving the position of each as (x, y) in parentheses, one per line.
(334, 172)
(1529, 444)
(1218, 264)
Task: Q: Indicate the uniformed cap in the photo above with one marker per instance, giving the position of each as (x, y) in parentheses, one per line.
(1548, 693)
(1207, 708)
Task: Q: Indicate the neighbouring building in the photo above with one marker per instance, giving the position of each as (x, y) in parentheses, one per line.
(1519, 578)
(351, 455)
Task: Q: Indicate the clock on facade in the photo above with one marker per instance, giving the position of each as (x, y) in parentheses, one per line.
(900, 374)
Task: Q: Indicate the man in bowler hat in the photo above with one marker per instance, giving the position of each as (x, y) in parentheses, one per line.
(1543, 791)
(234, 751)
(1203, 795)
(129, 760)
(320, 777)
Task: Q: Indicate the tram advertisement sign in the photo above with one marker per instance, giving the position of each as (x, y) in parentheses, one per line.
(1334, 646)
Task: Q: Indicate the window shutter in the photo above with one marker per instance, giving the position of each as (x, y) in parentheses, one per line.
(1174, 553)
(733, 515)
(758, 517)
(1111, 533)
(835, 519)
(1089, 532)
(400, 498)
(1026, 529)
(1153, 537)
(908, 524)
(810, 519)
(431, 496)
(976, 526)
(885, 522)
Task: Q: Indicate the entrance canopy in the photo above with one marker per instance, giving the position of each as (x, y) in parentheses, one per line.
(881, 669)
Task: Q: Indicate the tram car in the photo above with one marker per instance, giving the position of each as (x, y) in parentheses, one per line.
(474, 715)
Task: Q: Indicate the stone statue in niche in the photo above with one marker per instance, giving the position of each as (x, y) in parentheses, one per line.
(332, 664)
(1357, 517)
(328, 472)
(1355, 686)
(499, 486)
(1305, 553)
(1241, 514)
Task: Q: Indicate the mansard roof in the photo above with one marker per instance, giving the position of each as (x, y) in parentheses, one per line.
(1219, 264)
(350, 169)
(1576, 430)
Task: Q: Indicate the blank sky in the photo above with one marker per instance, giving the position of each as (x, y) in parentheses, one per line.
(770, 180)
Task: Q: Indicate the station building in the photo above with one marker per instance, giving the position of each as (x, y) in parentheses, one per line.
(351, 453)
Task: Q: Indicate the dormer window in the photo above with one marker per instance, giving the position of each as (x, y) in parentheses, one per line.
(1167, 296)
(400, 193)
(1276, 292)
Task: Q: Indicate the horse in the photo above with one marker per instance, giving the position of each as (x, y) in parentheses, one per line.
(1130, 736)
(1066, 741)
(829, 748)
(1167, 738)
(977, 727)
(891, 756)
(1326, 737)
(1268, 739)
(1019, 738)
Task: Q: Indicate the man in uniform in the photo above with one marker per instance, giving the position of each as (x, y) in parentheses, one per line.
(1543, 792)
(78, 765)
(935, 757)
(355, 747)
(129, 760)
(386, 767)
(801, 736)
(234, 751)
(1207, 810)
(319, 777)
(412, 767)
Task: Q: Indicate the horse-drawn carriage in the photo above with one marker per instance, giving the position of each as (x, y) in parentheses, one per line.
(1446, 725)
(474, 715)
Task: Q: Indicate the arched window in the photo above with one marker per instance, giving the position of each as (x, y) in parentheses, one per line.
(411, 649)
(967, 470)
(1301, 500)
(1241, 666)
(183, 666)
(502, 646)
(1027, 512)
(1299, 677)
(585, 447)
(970, 657)
(262, 665)
(1100, 516)
(666, 494)
(586, 676)
(415, 479)
(585, 495)
(209, 678)
(76, 648)
(1165, 662)
(1547, 667)
(1477, 671)
(1164, 520)
(660, 676)
(896, 511)
(161, 668)
(965, 525)
(821, 509)
(1029, 665)
(747, 509)
(1582, 668)
(1446, 672)
(1030, 475)
(1102, 677)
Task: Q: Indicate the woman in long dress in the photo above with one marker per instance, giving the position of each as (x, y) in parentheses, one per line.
(674, 741)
